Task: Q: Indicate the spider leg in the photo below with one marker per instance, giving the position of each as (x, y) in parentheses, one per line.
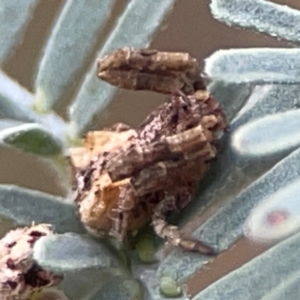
(119, 225)
(171, 233)
(121, 214)
(180, 145)
(126, 198)
(163, 175)
(135, 159)
(116, 217)
(190, 140)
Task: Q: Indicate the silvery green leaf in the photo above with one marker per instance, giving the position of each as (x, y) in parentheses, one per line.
(265, 100)
(255, 279)
(288, 288)
(89, 267)
(72, 252)
(264, 16)
(225, 226)
(237, 183)
(16, 103)
(268, 135)
(8, 123)
(25, 206)
(85, 284)
(147, 274)
(14, 16)
(276, 217)
(255, 65)
(232, 97)
(15, 100)
(32, 137)
(120, 288)
(94, 95)
(69, 49)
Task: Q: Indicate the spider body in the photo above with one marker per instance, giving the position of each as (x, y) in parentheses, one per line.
(133, 176)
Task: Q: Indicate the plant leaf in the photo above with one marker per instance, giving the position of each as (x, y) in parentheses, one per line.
(8, 123)
(263, 16)
(266, 100)
(16, 102)
(25, 206)
(254, 65)
(286, 289)
(50, 149)
(277, 216)
(232, 97)
(94, 95)
(237, 183)
(268, 135)
(84, 284)
(69, 47)
(89, 267)
(225, 226)
(249, 281)
(72, 252)
(32, 138)
(120, 288)
(14, 16)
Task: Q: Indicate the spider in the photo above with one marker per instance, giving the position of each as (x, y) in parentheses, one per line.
(127, 177)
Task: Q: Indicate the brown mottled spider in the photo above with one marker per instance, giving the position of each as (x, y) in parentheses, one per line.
(127, 177)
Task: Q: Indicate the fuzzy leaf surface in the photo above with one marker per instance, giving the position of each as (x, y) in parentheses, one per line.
(33, 138)
(16, 103)
(14, 16)
(287, 289)
(25, 206)
(255, 279)
(94, 95)
(268, 135)
(72, 252)
(68, 49)
(260, 15)
(255, 65)
(238, 182)
(120, 288)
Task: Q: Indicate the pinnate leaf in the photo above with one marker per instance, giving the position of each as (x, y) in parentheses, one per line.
(32, 138)
(25, 206)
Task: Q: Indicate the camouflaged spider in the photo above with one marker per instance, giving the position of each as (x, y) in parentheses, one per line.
(128, 177)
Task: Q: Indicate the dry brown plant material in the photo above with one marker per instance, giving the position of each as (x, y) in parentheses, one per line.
(20, 275)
